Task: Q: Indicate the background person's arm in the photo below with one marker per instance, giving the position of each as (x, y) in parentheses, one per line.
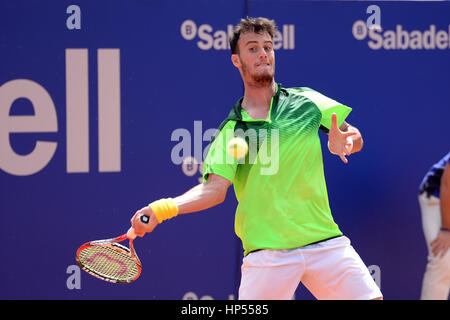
(442, 241)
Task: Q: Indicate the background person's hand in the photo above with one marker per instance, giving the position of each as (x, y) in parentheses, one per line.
(441, 244)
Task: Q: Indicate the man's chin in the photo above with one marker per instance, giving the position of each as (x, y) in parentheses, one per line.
(263, 80)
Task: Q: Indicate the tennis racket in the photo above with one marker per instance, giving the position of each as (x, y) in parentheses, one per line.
(110, 261)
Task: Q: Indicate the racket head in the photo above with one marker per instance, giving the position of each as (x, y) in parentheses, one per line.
(110, 261)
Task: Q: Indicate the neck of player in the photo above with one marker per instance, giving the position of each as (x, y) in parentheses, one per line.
(257, 100)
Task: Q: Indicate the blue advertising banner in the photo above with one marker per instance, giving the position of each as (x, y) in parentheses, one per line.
(106, 106)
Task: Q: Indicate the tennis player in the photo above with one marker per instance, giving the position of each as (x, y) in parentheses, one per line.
(283, 216)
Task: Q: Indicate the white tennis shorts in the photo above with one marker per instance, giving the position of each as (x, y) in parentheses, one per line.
(330, 270)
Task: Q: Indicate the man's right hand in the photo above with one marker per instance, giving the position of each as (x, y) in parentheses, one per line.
(141, 228)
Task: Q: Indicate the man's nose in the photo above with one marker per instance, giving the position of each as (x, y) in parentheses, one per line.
(262, 54)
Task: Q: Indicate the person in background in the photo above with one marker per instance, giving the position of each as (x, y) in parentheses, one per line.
(434, 200)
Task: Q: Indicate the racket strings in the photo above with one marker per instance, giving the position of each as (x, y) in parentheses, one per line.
(109, 263)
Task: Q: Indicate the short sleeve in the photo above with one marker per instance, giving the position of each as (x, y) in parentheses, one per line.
(218, 160)
(327, 107)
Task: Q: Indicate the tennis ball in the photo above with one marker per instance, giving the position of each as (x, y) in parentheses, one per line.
(237, 148)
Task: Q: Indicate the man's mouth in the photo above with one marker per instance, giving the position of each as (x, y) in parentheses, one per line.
(263, 64)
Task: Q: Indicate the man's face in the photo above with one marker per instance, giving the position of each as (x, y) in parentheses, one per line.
(256, 58)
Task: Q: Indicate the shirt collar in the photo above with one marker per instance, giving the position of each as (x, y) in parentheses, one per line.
(236, 112)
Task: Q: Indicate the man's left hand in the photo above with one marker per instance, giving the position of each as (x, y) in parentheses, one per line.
(339, 142)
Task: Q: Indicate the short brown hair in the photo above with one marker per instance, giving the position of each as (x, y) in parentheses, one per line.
(256, 25)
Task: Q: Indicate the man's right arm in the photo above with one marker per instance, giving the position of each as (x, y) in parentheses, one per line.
(201, 197)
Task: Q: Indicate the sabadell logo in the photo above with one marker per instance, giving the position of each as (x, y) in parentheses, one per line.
(401, 39)
(207, 38)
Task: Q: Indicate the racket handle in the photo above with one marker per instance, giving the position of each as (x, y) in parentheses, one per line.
(145, 218)
(131, 234)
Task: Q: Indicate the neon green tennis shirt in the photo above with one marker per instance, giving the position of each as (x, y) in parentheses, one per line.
(280, 184)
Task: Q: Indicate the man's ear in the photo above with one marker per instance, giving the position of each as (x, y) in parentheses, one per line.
(235, 60)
